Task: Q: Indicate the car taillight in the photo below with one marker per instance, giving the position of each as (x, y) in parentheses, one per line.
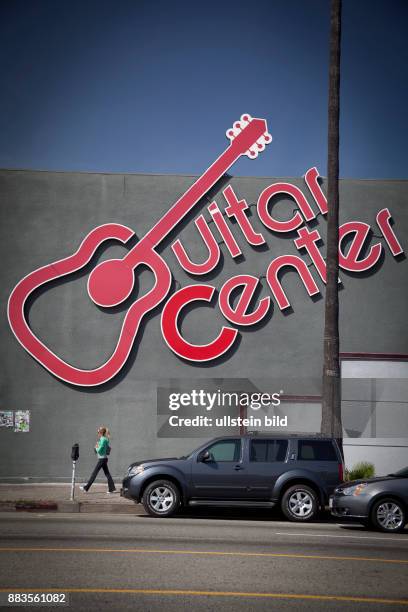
(341, 472)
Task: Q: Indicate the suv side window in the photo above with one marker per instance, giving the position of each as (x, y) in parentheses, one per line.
(316, 450)
(226, 450)
(268, 450)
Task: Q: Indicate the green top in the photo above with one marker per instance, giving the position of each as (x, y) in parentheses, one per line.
(102, 446)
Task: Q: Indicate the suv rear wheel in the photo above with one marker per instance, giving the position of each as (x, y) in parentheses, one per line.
(161, 498)
(299, 503)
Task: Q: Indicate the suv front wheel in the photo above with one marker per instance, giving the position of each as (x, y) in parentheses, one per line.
(161, 498)
(299, 503)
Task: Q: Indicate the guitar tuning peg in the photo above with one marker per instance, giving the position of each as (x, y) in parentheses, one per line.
(236, 129)
(253, 151)
(245, 120)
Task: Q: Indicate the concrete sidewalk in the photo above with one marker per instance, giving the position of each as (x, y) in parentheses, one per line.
(55, 497)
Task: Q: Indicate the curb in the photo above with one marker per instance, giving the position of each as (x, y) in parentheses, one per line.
(107, 508)
(67, 506)
(34, 505)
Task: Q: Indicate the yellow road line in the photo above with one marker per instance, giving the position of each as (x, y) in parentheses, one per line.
(202, 552)
(380, 600)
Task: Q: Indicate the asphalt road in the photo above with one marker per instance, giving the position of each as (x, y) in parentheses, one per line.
(139, 563)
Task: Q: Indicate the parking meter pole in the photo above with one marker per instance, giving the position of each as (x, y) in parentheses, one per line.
(73, 481)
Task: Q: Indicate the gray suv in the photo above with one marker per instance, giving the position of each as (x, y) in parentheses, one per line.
(296, 473)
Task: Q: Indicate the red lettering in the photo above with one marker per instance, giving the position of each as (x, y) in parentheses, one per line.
(293, 223)
(351, 261)
(173, 337)
(307, 240)
(239, 315)
(311, 177)
(211, 244)
(275, 285)
(383, 222)
(224, 230)
(236, 208)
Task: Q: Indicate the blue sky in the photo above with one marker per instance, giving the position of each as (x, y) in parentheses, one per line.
(152, 85)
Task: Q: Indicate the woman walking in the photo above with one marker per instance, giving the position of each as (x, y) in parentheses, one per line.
(101, 449)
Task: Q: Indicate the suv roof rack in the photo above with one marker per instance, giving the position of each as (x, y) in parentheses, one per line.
(279, 434)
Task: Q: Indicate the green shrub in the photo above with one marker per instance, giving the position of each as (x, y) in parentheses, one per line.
(362, 469)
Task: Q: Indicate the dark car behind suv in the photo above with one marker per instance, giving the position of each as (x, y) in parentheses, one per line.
(380, 502)
(296, 473)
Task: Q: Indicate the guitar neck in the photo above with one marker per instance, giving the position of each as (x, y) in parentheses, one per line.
(190, 198)
(242, 139)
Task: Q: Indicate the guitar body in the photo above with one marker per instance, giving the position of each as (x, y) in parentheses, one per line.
(39, 278)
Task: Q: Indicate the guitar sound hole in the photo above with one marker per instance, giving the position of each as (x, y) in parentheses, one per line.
(111, 282)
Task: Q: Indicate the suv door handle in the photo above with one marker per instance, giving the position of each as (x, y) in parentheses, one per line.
(238, 467)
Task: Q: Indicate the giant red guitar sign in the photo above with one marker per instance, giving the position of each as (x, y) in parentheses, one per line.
(112, 281)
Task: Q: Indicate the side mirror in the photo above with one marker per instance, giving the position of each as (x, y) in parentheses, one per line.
(206, 456)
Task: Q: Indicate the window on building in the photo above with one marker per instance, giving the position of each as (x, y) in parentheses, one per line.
(374, 398)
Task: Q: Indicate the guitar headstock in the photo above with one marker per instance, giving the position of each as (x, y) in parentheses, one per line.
(250, 135)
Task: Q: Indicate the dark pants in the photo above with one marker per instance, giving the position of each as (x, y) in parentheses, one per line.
(102, 464)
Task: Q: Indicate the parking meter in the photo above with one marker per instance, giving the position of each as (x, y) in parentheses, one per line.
(75, 452)
(74, 457)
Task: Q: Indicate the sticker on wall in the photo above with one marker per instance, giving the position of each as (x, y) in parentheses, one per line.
(22, 421)
(6, 418)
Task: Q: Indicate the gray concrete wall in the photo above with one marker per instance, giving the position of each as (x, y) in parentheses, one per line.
(387, 455)
(44, 217)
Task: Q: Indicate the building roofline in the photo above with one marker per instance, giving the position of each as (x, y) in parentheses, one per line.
(169, 174)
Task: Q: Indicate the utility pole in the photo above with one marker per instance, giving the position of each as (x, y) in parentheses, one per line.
(331, 385)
